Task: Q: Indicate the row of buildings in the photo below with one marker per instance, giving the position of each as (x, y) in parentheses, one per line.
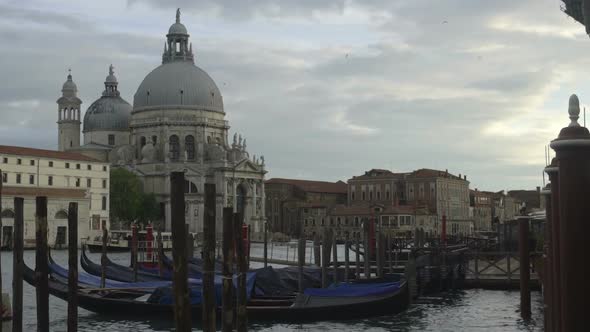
(402, 203)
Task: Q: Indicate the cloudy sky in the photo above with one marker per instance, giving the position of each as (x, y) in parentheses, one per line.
(324, 89)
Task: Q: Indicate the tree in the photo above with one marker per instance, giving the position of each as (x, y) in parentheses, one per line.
(128, 202)
(126, 195)
(148, 209)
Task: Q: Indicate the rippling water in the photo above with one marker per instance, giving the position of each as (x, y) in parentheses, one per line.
(469, 310)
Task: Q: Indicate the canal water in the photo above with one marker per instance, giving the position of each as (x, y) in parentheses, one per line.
(469, 310)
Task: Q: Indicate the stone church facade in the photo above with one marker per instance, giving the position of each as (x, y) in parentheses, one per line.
(176, 123)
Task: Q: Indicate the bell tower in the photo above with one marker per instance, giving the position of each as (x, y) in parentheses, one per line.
(68, 119)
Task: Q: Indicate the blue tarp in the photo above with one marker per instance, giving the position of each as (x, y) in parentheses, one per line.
(165, 295)
(354, 289)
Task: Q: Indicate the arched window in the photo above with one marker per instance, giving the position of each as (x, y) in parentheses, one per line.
(189, 145)
(7, 213)
(190, 187)
(61, 214)
(174, 147)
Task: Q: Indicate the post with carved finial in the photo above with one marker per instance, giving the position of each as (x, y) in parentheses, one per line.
(547, 263)
(572, 148)
(182, 316)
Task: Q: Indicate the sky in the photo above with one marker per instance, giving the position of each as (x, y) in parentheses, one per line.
(324, 89)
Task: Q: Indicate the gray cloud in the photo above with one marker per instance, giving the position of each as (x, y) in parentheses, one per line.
(417, 93)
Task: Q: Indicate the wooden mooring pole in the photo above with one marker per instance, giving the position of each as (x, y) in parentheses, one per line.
(103, 257)
(41, 264)
(367, 245)
(326, 243)
(160, 251)
(357, 270)
(335, 257)
(241, 315)
(227, 319)
(134, 244)
(346, 259)
(182, 318)
(301, 261)
(317, 258)
(547, 263)
(17, 266)
(73, 267)
(1, 235)
(555, 305)
(265, 244)
(525, 277)
(209, 242)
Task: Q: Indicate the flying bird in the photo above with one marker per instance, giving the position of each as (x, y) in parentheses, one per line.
(444, 22)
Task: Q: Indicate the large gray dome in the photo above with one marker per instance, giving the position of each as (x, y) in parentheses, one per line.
(178, 84)
(107, 113)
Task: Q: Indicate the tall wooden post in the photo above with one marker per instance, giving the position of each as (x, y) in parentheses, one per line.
(378, 256)
(552, 170)
(573, 154)
(242, 315)
(134, 245)
(389, 254)
(335, 257)
(525, 276)
(227, 319)
(265, 244)
(547, 263)
(1, 236)
(301, 261)
(160, 251)
(209, 241)
(73, 267)
(182, 316)
(103, 258)
(326, 244)
(17, 266)
(346, 259)
(367, 244)
(357, 270)
(41, 264)
(317, 258)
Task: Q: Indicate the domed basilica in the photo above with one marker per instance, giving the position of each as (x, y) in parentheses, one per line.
(177, 123)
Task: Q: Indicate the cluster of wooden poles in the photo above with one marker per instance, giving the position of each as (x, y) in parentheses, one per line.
(565, 281)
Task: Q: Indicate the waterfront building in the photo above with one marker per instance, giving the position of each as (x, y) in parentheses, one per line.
(290, 202)
(398, 221)
(61, 176)
(444, 194)
(481, 206)
(176, 123)
(377, 186)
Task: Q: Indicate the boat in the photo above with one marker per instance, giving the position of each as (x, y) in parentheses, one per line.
(114, 271)
(120, 241)
(345, 301)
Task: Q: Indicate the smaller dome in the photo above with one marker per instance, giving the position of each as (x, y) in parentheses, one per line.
(69, 85)
(177, 29)
(107, 113)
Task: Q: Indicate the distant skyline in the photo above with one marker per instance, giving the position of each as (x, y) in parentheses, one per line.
(324, 89)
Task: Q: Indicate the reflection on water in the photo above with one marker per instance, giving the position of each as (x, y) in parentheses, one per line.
(470, 310)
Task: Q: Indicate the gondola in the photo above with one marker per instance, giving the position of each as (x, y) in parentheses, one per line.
(115, 271)
(350, 300)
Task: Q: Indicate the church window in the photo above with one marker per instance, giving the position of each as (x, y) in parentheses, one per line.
(111, 139)
(174, 147)
(189, 143)
(104, 202)
(240, 199)
(190, 187)
(31, 179)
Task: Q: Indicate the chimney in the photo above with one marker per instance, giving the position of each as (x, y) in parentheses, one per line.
(465, 177)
